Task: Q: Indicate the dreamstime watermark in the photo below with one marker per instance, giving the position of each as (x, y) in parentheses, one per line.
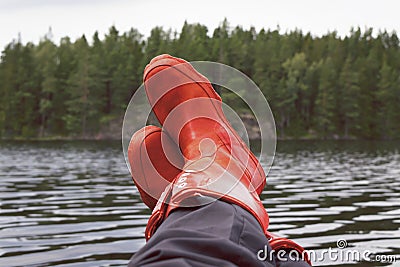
(341, 253)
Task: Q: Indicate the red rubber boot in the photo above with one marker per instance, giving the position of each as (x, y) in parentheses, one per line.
(154, 161)
(218, 165)
(190, 110)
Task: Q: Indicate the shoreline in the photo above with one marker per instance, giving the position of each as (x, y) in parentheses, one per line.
(304, 138)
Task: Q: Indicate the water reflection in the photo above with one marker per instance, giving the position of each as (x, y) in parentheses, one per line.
(73, 203)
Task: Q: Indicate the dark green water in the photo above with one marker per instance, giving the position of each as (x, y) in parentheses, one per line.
(73, 203)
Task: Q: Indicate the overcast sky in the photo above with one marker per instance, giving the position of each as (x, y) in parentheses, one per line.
(32, 18)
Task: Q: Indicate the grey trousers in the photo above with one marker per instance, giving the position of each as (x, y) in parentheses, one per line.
(217, 234)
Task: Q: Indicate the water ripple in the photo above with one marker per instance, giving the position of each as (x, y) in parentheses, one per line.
(73, 203)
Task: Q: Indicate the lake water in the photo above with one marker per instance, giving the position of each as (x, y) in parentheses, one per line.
(74, 204)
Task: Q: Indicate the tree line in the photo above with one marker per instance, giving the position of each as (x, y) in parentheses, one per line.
(317, 86)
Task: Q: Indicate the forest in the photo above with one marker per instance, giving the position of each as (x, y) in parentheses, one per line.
(325, 87)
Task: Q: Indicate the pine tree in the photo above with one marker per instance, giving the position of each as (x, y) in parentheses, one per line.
(47, 60)
(325, 102)
(79, 105)
(293, 94)
(193, 42)
(19, 88)
(64, 68)
(348, 107)
(389, 98)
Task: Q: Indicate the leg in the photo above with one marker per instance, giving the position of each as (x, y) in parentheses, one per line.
(208, 212)
(217, 234)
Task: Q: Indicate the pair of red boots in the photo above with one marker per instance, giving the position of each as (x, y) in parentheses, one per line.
(197, 157)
